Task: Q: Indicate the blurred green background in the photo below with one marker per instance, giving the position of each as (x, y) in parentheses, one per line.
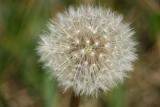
(24, 82)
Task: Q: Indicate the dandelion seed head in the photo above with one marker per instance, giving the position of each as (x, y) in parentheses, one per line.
(89, 49)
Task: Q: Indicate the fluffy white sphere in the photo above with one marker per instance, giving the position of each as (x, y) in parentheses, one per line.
(89, 49)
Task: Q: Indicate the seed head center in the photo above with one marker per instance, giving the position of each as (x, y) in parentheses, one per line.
(87, 48)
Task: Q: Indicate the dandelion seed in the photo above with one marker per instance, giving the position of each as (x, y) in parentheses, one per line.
(96, 43)
(100, 55)
(82, 51)
(92, 53)
(87, 41)
(77, 41)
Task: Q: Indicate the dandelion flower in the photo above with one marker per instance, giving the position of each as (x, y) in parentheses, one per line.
(88, 49)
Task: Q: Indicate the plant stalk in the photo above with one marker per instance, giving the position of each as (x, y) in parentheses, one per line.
(75, 100)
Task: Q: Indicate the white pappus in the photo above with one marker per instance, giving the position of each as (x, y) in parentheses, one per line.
(88, 49)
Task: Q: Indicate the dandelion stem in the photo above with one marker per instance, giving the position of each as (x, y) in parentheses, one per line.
(75, 100)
